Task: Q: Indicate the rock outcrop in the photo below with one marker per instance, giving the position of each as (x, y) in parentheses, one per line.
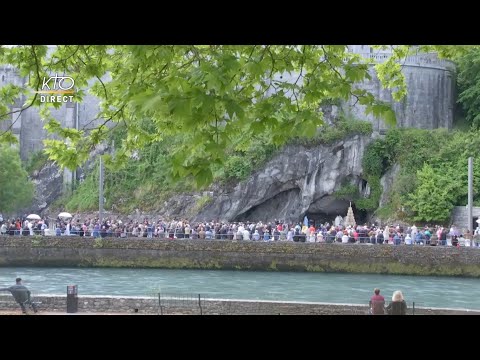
(300, 180)
(48, 186)
(386, 182)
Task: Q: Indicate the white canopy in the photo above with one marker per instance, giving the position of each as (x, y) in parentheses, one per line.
(33, 217)
(65, 215)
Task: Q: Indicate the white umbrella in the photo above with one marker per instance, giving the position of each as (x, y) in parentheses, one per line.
(65, 215)
(33, 217)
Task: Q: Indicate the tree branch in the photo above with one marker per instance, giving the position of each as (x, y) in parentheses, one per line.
(33, 100)
(98, 78)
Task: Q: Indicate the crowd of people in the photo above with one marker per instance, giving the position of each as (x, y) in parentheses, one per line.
(255, 231)
(23, 227)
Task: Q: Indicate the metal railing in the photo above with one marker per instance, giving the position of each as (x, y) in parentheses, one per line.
(301, 238)
(428, 60)
(169, 304)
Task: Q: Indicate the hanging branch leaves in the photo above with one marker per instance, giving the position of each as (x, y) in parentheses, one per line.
(215, 96)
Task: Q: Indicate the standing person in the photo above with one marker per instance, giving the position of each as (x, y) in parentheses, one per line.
(377, 303)
(398, 306)
(3, 229)
(21, 295)
(386, 234)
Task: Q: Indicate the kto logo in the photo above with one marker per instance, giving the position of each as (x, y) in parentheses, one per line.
(57, 85)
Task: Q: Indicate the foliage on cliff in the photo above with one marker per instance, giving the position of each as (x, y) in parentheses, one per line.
(145, 182)
(433, 174)
(35, 162)
(16, 190)
(468, 80)
(434, 171)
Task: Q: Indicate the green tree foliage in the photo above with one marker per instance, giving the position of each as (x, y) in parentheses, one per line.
(36, 161)
(214, 95)
(432, 199)
(86, 195)
(434, 173)
(468, 80)
(16, 190)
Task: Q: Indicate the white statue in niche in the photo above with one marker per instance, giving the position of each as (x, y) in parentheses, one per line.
(338, 220)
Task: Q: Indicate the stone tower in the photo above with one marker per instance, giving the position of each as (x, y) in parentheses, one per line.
(28, 127)
(430, 102)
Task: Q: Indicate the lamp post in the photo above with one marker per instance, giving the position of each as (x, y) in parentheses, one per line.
(100, 194)
(470, 196)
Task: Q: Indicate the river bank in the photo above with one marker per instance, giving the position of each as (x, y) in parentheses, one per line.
(198, 306)
(239, 255)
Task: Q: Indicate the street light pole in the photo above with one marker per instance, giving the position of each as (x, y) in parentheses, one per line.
(470, 196)
(100, 194)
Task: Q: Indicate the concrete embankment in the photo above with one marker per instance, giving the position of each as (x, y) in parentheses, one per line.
(201, 306)
(238, 255)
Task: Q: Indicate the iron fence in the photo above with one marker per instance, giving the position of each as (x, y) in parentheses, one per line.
(172, 304)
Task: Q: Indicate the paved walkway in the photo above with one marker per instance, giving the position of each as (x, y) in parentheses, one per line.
(13, 312)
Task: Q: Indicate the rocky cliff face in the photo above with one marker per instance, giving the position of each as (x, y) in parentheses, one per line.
(48, 187)
(297, 181)
(386, 182)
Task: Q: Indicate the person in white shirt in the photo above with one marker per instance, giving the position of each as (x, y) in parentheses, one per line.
(408, 240)
(414, 231)
(290, 235)
(3, 229)
(386, 234)
(319, 237)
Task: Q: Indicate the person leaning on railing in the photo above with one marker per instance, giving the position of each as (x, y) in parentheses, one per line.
(21, 294)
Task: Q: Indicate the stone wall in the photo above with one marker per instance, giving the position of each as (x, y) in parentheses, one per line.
(460, 216)
(239, 255)
(150, 305)
(429, 103)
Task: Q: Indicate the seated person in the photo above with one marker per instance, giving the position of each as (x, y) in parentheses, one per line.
(377, 303)
(398, 306)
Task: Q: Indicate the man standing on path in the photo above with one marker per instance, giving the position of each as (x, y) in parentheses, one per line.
(21, 295)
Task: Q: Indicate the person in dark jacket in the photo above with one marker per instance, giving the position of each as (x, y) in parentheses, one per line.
(21, 294)
(398, 306)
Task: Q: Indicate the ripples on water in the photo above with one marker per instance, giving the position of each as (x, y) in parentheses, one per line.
(287, 286)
